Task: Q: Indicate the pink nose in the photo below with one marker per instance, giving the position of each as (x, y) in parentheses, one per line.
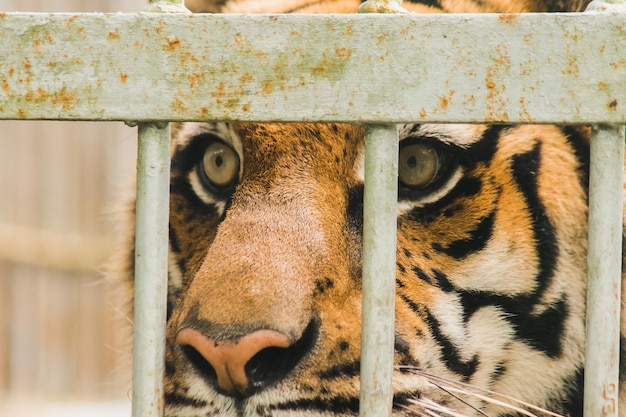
(229, 357)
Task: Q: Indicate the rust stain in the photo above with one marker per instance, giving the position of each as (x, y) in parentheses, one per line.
(71, 19)
(26, 65)
(612, 105)
(238, 38)
(343, 53)
(246, 107)
(602, 85)
(423, 113)
(5, 85)
(524, 110)
(528, 39)
(444, 101)
(123, 77)
(36, 45)
(381, 38)
(21, 113)
(64, 98)
(179, 104)
(507, 18)
(572, 67)
(173, 43)
(114, 35)
(268, 87)
(160, 26)
(203, 112)
(195, 78)
(616, 65)
(220, 93)
(349, 30)
(247, 77)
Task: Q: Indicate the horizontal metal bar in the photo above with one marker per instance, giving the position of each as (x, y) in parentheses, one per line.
(606, 184)
(379, 269)
(151, 246)
(532, 68)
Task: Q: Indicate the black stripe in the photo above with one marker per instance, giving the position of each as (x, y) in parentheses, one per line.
(173, 239)
(181, 187)
(335, 404)
(573, 406)
(525, 169)
(580, 146)
(541, 331)
(476, 241)
(431, 3)
(173, 399)
(466, 187)
(450, 353)
(344, 370)
(422, 275)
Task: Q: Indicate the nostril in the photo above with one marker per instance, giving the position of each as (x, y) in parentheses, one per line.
(247, 364)
(273, 364)
(203, 367)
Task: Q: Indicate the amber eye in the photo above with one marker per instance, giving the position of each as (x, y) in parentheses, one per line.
(418, 165)
(219, 167)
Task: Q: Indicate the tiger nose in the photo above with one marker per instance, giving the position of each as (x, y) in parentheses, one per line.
(229, 358)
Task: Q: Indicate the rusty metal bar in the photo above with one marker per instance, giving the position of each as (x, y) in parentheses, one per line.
(604, 258)
(532, 68)
(151, 248)
(606, 184)
(379, 269)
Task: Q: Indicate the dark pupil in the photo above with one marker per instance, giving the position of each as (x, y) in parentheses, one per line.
(412, 162)
(218, 161)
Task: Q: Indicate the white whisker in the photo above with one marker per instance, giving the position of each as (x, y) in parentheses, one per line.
(484, 394)
(431, 405)
(459, 398)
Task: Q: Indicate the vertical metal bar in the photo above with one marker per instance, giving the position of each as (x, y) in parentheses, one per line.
(151, 247)
(606, 184)
(379, 270)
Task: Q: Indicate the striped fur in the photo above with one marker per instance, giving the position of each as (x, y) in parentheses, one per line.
(491, 261)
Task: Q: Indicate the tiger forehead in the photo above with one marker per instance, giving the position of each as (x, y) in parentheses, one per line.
(310, 144)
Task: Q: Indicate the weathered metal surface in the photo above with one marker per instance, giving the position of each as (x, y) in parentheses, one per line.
(606, 184)
(357, 68)
(379, 270)
(151, 246)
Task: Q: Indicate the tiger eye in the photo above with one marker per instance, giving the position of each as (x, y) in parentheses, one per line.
(418, 165)
(220, 165)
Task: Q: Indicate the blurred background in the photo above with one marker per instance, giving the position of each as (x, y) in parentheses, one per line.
(64, 348)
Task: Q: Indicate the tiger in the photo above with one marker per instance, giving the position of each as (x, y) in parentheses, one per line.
(265, 260)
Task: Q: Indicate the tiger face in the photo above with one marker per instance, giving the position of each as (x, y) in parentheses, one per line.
(265, 269)
(264, 303)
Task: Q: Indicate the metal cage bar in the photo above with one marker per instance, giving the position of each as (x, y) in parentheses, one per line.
(379, 269)
(606, 185)
(151, 247)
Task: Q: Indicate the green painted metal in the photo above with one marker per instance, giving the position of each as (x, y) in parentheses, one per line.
(379, 269)
(417, 68)
(151, 247)
(606, 184)
(604, 258)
